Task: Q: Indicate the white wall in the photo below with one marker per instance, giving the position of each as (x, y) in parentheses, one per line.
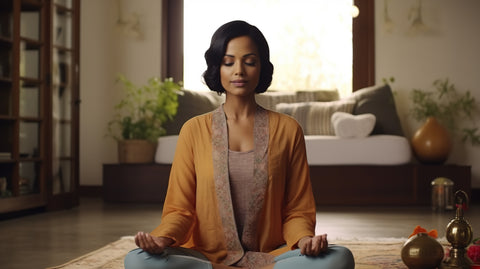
(106, 50)
(450, 48)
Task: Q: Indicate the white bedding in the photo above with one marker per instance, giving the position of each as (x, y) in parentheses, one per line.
(330, 150)
(371, 150)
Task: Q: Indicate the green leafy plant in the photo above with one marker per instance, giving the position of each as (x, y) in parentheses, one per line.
(453, 109)
(388, 81)
(144, 110)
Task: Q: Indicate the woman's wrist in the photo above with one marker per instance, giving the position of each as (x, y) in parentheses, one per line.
(166, 241)
(303, 240)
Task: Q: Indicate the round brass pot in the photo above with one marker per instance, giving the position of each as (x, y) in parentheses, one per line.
(422, 252)
(432, 143)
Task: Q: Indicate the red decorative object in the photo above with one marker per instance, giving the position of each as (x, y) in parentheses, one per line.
(433, 233)
(473, 252)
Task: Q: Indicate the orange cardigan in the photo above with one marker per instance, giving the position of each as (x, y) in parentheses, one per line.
(191, 216)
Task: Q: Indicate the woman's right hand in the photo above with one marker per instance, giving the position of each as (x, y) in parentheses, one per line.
(313, 246)
(152, 244)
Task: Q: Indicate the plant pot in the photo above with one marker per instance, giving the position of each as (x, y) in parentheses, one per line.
(422, 252)
(136, 151)
(432, 143)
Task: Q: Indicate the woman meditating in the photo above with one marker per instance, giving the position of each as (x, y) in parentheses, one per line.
(239, 193)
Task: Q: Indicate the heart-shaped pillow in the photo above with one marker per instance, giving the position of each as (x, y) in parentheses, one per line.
(347, 125)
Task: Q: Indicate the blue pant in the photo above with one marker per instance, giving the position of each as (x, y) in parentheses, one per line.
(336, 257)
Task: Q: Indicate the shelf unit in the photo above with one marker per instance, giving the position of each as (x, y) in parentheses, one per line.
(38, 104)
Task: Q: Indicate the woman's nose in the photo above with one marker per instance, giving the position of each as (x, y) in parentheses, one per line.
(238, 69)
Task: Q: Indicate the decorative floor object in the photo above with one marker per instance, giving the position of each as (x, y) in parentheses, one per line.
(371, 253)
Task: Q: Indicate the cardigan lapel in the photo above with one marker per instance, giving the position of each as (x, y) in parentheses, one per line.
(222, 183)
(260, 175)
(222, 186)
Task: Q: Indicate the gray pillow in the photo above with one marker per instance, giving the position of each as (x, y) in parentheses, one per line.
(317, 95)
(378, 100)
(190, 104)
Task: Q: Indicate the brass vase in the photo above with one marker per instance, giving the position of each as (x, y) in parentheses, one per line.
(422, 252)
(432, 143)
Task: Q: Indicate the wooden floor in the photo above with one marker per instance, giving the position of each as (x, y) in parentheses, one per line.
(48, 239)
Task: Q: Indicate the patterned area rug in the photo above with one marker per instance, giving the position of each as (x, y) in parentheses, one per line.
(382, 253)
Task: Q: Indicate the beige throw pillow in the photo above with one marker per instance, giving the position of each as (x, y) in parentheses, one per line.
(315, 117)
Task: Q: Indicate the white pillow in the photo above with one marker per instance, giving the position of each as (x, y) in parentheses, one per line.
(347, 125)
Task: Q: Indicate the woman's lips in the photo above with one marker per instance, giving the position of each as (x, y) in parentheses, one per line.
(239, 83)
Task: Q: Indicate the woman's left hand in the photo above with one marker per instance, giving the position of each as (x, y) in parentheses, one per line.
(312, 246)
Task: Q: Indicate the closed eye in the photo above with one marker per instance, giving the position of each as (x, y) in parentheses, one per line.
(249, 63)
(248, 59)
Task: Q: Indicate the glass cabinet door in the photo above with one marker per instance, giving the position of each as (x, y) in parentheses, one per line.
(39, 42)
(30, 87)
(7, 121)
(62, 88)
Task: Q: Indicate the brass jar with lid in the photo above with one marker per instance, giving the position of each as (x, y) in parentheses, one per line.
(459, 234)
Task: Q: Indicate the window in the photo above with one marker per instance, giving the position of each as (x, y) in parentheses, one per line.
(311, 48)
(362, 36)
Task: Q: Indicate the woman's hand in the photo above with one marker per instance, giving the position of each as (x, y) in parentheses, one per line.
(152, 244)
(312, 246)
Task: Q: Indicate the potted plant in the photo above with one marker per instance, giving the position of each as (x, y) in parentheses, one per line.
(444, 107)
(140, 116)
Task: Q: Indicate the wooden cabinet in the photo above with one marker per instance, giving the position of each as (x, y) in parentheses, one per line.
(135, 182)
(408, 184)
(400, 185)
(39, 52)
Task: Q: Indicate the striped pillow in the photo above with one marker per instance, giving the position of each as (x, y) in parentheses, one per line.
(269, 100)
(299, 111)
(315, 117)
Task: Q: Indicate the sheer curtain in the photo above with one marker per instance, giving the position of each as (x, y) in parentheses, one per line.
(310, 40)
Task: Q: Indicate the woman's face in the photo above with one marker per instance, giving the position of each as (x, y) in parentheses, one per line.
(240, 69)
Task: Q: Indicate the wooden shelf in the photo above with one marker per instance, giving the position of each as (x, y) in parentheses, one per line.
(29, 129)
(5, 80)
(7, 118)
(22, 202)
(6, 41)
(31, 44)
(61, 9)
(31, 5)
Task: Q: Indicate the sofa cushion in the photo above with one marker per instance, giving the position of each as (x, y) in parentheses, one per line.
(271, 98)
(379, 101)
(315, 117)
(317, 95)
(347, 125)
(190, 104)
